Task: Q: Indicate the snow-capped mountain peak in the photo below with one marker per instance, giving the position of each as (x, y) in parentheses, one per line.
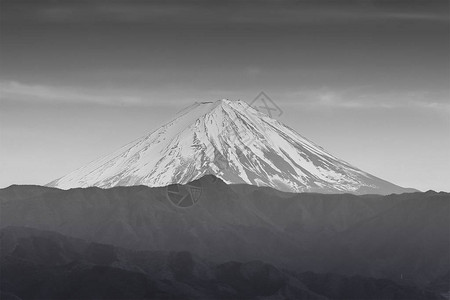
(233, 141)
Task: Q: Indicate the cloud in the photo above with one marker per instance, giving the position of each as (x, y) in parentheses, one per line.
(359, 98)
(220, 12)
(16, 91)
(167, 96)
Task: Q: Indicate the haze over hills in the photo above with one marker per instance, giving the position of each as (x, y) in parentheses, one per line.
(233, 141)
(404, 237)
(45, 265)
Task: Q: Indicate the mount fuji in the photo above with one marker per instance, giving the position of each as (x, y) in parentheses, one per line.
(234, 142)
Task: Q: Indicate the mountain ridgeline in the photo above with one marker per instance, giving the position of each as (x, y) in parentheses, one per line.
(45, 265)
(233, 141)
(223, 202)
(316, 241)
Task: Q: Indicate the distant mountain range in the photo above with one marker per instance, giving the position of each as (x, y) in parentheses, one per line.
(404, 238)
(233, 141)
(45, 265)
(223, 202)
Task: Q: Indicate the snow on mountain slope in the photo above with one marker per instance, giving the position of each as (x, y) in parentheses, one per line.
(233, 141)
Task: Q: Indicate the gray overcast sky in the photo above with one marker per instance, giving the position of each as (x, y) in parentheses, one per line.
(367, 80)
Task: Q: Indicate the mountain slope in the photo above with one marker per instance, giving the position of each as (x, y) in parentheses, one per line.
(233, 141)
(46, 265)
(397, 236)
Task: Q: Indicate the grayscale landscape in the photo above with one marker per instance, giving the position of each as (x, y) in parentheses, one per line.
(263, 149)
(321, 246)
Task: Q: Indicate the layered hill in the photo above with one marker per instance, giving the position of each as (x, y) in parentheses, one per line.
(46, 265)
(401, 237)
(233, 141)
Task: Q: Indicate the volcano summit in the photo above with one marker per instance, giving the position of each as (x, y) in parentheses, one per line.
(233, 141)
